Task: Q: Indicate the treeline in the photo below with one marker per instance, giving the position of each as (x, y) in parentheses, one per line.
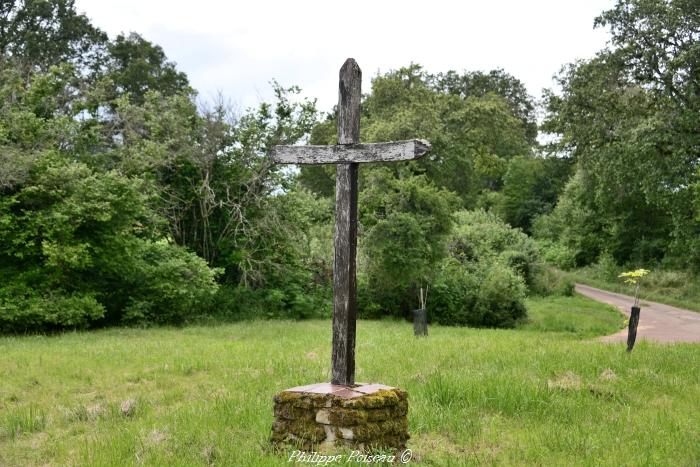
(629, 119)
(125, 201)
(122, 200)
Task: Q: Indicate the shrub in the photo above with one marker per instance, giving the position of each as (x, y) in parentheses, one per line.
(452, 297)
(551, 282)
(53, 311)
(521, 264)
(167, 285)
(481, 236)
(488, 295)
(81, 247)
(482, 282)
(486, 236)
(557, 255)
(406, 223)
(565, 288)
(608, 267)
(501, 298)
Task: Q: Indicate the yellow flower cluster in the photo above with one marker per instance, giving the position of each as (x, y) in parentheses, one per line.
(631, 277)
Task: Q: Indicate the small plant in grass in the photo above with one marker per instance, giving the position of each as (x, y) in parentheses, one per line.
(23, 420)
(634, 278)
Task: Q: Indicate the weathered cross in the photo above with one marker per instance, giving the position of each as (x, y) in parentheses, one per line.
(346, 155)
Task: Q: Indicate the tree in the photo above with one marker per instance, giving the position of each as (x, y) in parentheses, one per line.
(483, 280)
(407, 221)
(405, 209)
(473, 136)
(473, 132)
(137, 66)
(530, 188)
(657, 40)
(113, 181)
(83, 243)
(213, 175)
(575, 223)
(42, 33)
(629, 119)
(479, 84)
(81, 250)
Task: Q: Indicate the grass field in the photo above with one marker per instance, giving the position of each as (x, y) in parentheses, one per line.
(543, 394)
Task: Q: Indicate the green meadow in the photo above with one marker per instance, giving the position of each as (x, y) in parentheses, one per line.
(545, 393)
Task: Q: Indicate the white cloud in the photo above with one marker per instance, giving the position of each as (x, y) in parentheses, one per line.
(238, 47)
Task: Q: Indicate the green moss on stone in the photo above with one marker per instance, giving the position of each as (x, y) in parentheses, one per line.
(347, 417)
(303, 400)
(381, 398)
(379, 415)
(377, 420)
(307, 430)
(290, 412)
(374, 431)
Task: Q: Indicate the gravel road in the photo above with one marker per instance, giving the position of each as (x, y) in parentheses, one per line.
(657, 322)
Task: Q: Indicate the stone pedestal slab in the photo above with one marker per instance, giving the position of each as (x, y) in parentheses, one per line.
(326, 416)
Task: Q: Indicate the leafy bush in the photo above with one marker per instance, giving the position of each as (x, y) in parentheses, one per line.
(566, 288)
(487, 236)
(241, 303)
(482, 282)
(77, 252)
(501, 298)
(608, 267)
(53, 311)
(485, 279)
(168, 284)
(552, 282)
(490, 295)
(521, 264)
(407, 221)
(557, 255)
(482, 236)
(453, 295)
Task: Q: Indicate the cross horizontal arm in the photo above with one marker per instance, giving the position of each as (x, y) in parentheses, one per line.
(375, 152)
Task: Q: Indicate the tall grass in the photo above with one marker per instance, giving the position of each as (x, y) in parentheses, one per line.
(545, 394)
(17, 421)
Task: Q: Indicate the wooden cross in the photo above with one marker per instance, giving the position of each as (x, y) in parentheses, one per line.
(346, 155)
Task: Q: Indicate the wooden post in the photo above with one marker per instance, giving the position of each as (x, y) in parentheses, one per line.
(345, 239)
(632, 328)
(420, 322)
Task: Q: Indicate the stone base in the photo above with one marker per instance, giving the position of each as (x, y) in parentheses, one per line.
(327, 416)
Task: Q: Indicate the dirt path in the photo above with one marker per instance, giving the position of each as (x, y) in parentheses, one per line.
(657, 322)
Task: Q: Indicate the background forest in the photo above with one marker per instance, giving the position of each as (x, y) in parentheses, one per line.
(124, 199)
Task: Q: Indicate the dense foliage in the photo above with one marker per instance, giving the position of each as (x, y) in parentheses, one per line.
(629, 118)
(484, 280)
(81, 245)
(123, 200)
(474, 132)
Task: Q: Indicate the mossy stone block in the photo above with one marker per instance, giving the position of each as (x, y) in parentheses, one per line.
(357, 417)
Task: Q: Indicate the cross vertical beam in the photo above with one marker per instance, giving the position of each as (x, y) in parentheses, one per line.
(345, 238)
(347, 154)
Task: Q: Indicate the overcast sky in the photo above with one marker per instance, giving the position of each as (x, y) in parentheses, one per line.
(238, 47)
